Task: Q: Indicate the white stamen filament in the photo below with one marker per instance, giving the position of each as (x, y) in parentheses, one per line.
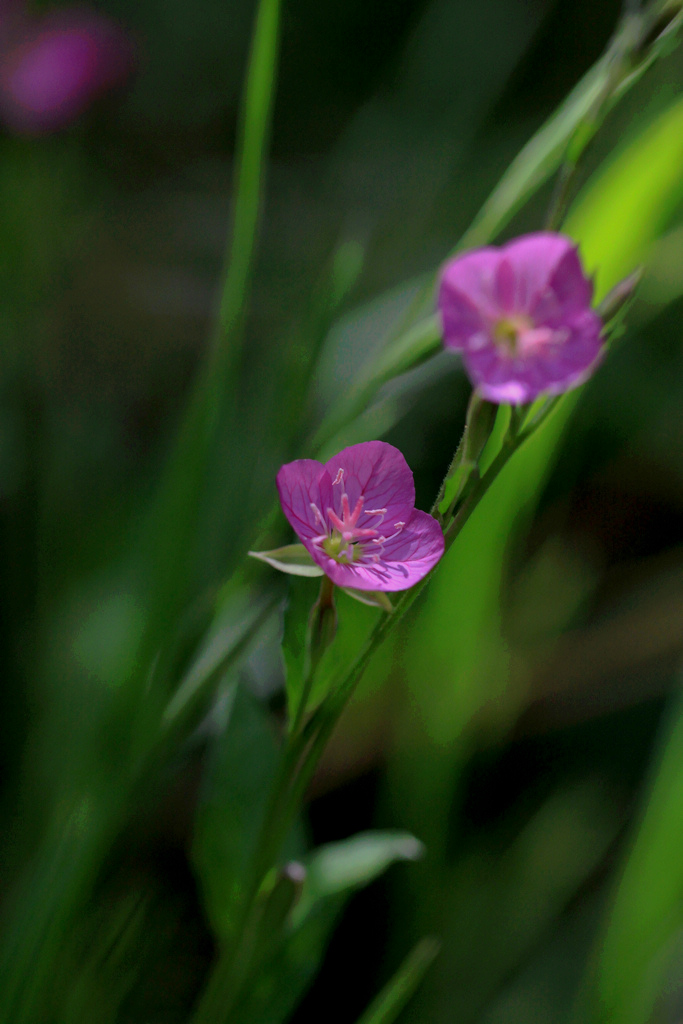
(318, 515)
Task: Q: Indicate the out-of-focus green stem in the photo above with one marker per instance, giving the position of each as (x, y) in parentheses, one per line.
(255, 132)
(396, 993)
(175, 518)
(321, 629)
(618, 62)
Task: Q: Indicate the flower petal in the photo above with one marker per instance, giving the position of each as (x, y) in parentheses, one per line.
(467, 296)
(419, 546)
(568, 292)
(533, 289)
(303, 486)
(534, 260)
(379, 473)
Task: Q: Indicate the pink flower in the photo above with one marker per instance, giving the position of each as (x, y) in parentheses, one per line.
(53, 67)
(356, 516)
(521, 317)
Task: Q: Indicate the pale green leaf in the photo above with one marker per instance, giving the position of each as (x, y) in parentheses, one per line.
(372, 598)
(337, 867)
(292, 558)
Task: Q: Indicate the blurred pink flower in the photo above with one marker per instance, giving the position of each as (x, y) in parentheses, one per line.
(54, 66)
(521, 317)
(356, 516)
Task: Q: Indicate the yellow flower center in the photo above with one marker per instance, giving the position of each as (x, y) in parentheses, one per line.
(507, 330)
(341, 550)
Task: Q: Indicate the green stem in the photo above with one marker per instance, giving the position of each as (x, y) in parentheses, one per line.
(318, 640)
(255, 125)
(621, 60)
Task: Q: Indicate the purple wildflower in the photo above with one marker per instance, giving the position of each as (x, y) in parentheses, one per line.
(53, 67)
(356, 516)
(521, 317)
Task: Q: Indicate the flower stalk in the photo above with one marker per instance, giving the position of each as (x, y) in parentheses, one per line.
(322, 629)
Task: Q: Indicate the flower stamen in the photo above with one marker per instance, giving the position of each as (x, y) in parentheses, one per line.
(318, 515)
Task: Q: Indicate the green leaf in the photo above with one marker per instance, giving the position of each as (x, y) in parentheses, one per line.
(241, 767)
(354, 862)
(396, 993)
(647, 915)
(172, 529)
(334, 872)
(354, 623)
(629, 201)
(406, 352)
(234, 630)
(372, 598)
(292, 558)
(535, 163)
(274, 992)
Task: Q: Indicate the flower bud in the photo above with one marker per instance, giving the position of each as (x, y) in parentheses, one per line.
(481, 416)
(323, 622)
(619, 297)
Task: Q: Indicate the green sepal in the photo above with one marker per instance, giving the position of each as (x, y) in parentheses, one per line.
(373, 598)
(618, 298)
(292, 558)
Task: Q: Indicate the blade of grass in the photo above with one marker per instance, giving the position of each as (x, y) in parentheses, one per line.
(647, 914)
(176, 510)
(386, 1007)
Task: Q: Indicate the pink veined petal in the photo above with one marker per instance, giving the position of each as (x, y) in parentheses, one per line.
(301, 485)
(388, 577)
(380, 474)
(364, 577)
(534, 259)
(404, 562)
(580, 356)
(418, 547)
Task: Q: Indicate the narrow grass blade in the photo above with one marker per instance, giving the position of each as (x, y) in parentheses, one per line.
(647, 915)
(394, 996)
(176, 511)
